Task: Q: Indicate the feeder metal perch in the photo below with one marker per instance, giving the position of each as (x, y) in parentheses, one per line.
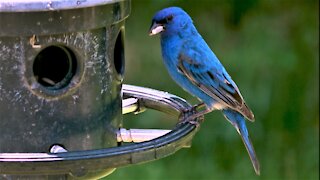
(81, 163)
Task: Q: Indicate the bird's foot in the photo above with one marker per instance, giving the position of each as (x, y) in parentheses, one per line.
(183, 119)
(191, 115)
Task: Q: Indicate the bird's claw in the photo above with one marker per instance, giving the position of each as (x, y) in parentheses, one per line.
(192, 121)
(189, 115)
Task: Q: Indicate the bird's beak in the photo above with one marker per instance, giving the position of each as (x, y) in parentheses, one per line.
(156, 29)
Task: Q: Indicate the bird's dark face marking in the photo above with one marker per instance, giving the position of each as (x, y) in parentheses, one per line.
(159, 25)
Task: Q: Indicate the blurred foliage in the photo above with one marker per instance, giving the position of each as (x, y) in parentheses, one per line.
(271, 49)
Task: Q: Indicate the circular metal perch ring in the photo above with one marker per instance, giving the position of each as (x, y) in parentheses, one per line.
(79, 163)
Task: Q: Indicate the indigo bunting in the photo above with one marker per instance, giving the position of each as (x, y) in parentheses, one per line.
(193, 65)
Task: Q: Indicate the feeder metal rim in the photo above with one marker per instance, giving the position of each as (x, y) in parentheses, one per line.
(49, 5)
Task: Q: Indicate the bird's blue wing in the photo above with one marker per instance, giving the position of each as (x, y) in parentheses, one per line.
(207, 73)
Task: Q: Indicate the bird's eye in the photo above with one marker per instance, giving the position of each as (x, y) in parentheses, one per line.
(165, 20)
(162, 21)
(169, 18)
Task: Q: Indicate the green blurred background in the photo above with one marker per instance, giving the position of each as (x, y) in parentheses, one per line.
(270, 48)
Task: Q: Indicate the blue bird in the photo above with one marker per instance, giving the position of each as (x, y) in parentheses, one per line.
(193, 65)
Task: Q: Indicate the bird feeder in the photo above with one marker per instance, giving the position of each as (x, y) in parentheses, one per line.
(61, 95)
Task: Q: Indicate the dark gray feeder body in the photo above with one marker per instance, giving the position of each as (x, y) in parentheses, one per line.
(61, 67)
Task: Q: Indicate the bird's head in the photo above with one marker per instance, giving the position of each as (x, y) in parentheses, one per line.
(169, 21)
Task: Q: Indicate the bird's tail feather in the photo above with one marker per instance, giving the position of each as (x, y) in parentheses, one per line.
(252, 154)
(238, 121)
